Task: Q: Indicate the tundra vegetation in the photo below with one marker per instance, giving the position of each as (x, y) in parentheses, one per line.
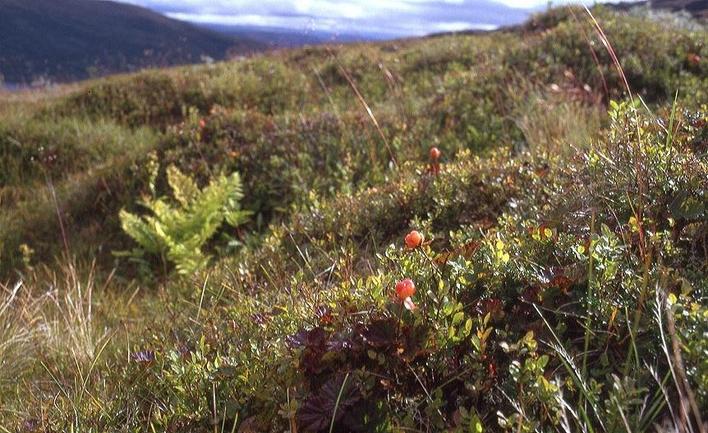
(496, 232)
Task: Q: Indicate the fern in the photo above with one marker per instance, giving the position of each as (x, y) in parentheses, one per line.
(177, 231)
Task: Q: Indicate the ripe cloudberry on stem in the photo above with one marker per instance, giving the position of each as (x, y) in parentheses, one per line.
(693, 59)
(405, 289)
(414, 239)
(434, 153)
(434, 160)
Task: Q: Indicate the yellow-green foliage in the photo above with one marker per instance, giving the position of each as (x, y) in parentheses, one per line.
(177, 232)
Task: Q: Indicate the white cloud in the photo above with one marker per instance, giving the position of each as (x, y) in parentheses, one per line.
(304, 23)
(456, 26)
(386, 17)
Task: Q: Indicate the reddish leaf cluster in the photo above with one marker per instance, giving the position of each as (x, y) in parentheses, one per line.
(335, 398)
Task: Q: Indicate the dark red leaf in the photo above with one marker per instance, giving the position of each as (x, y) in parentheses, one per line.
(316, 413)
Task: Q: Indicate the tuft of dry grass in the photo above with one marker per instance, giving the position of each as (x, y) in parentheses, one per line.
(19, 322)
(555, 123)
(58, 326)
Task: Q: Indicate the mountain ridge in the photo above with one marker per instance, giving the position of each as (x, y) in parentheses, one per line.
(697, 8)
(66, 40)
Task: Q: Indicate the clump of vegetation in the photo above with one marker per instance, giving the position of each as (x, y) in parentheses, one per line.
(178, 232)
(500, 237)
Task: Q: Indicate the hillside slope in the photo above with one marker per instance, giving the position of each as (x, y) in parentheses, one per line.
(465, 233)
(87, 141)
(74, 39)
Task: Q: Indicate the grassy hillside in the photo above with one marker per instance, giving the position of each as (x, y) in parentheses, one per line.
(66, 40)
(560, 284)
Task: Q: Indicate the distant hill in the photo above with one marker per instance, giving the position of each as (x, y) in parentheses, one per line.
(697, 8)
(280, 37)
(67, 40)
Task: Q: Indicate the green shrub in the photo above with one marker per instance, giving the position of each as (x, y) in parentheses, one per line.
(654, 56)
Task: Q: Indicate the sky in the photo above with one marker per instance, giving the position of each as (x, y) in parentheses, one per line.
(381, 17)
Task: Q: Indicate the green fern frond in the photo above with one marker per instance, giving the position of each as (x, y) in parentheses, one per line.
(184, 188)
(179, 232)
(140, 231)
